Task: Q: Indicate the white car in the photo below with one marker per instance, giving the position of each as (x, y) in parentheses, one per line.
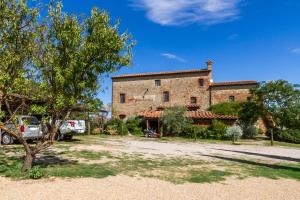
(70, 127)
(30, 128)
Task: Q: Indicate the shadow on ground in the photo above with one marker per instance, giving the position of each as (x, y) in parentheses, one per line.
(262, 155)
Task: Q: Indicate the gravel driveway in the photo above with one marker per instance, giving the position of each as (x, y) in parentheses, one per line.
(205, 151)
(125, 187)
(129, 188)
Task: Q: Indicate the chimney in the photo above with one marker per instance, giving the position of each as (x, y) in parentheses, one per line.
(209, 64)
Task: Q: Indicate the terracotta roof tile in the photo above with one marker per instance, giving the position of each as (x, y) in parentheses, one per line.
(190, 114)
(162, 73)
(248, 82)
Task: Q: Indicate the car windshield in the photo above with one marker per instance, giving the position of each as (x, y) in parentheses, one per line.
(30, 120)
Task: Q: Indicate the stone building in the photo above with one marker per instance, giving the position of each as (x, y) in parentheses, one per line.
(148, 94)
(134, 93)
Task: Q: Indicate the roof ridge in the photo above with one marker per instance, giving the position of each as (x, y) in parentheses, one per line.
(162, 73)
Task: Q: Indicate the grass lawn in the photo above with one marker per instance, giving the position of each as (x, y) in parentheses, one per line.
(60, 161)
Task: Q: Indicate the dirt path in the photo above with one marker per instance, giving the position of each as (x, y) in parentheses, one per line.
(204, 151)
(124, 187)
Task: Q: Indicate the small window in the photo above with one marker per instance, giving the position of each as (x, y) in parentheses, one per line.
(122, 116)
(157, 83)
(231, 98)
(122, 98)
(166, 96)
(193, 100)
(249, 98)
(201, 82)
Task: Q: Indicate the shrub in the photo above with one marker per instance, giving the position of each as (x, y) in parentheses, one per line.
(292, 136)
(195, 132)
(174, 120)
(219, 129)
(116, 126)
(110, 130)
(234, 132)
(134, 126)
(226, 108)
(36, 172)
(250, 132)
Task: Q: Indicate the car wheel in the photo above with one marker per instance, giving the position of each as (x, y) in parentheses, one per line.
(58, 136)
(6, 139)
(68, 137)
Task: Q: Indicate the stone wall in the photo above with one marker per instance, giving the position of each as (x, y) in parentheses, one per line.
(221, 94)
(142, 93)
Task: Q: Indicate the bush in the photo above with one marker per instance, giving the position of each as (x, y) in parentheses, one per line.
(116, 126)
(219, 129)
(234, 132)
(174, 120)
(134, 126)
(226, 108)
(292, 136)
(250, 132)
(195, 132)
(36, 172)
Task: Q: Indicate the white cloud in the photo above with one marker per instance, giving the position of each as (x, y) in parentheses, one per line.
(296, 51)
(173, 57)
(182, 12)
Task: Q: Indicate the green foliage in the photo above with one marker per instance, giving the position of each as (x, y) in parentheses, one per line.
(249, 113)
(174, 119)
(18, 23)
(249, 132)
(118, 125)
(133, 125)
(57, 61)
(226, 108)
(219, 129)
(290, 135)
(281, 101)
(36, 172)
(75, 54)
(197, 132)
(234, 132)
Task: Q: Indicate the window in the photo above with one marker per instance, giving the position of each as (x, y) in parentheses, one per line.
(166, 96)
(157, 83)
(193, 100)
(231, 98)
(122, 116)
(201, 82)
(249, 98)
(122, 98)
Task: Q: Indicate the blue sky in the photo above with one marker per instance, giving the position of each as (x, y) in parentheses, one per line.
(246, 39)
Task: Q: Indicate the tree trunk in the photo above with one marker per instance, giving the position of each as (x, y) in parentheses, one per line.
(27, 164)
(272, 138)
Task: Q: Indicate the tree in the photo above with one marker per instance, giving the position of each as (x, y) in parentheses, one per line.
(234, 132)
(18, 25)
(70, 56)
(174, 119)
(248, 115)
(280, 104)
